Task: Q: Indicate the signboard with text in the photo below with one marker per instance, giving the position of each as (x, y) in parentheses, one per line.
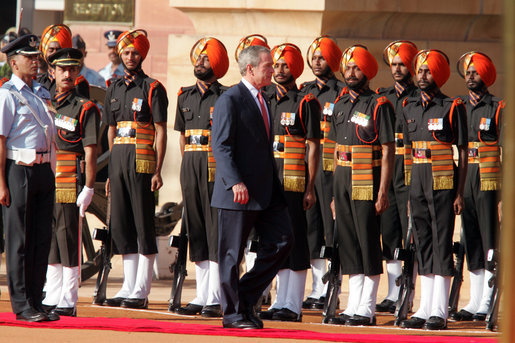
(109, 11)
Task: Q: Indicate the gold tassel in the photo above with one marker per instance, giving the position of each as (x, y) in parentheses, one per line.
(407, 177)
(328, 164)
(65, 196)
(362, 193)
(443, 182)
(211, 174)
(294, 184)
(147, 167)
(490, 185)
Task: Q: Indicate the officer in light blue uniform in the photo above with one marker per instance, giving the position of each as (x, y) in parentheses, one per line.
(27, 183)
(114, 69)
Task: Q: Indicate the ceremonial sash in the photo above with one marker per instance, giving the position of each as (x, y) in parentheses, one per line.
(327, 147)
(131, 132)
(440, 157)
(293, 154)
(489, 159)
(66, 177)
(195, 143)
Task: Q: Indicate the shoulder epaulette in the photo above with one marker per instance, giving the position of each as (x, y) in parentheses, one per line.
(378, 90)
(3, 80)
(309, 97)
(382, 100)
(88, 105)
(80, 79)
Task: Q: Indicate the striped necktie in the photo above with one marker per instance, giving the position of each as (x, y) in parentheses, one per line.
(321, 83)
(280, 91)
(59, 98)
(474, 98)
(202, 87)
(264, 113)
(354, 95)
(129, 76)
(400, 87)
(426, 98)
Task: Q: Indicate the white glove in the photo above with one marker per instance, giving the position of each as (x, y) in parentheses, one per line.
(84, 199)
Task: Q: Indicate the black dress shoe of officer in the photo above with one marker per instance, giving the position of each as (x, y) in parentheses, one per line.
(267, 315)
(386, 305)
(135, 303)
(339, 319)
(309, 303)
(357, 320)
(435, 323)
(189, 310)
(46, 308)
(51, 315)
(65, 311)
(241, 324)
(413, 323)
(114, 302)
(319, 304)
(250, 314)
(211, 311)
(31, 315)
(462, 315)
(479, 317)
(287, 315)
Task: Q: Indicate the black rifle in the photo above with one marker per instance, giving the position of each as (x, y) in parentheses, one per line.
(405, 281)
(493, 310)
(459, 251)
(333, 276)
(179, 267)
(103, 235)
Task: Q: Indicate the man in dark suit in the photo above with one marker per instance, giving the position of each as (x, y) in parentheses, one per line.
(247, 191)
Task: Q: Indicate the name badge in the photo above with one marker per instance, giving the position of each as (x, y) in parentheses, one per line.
(136, 104)
(360, 118)
(435, 124)
(65, 122)
(211, 112)
(328, 109)
(484, 125)
(287, 118)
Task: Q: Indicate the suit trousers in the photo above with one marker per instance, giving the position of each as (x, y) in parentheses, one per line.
(273, 227)
(28, 231)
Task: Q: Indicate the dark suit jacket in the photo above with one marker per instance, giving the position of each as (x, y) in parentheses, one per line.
(242, 151)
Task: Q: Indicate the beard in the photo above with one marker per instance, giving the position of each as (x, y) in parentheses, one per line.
(357, 85)
(285, 82)
(477, 87)
(204, 76)
(429, 88)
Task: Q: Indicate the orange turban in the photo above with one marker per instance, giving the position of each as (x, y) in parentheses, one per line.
(215, 51)
(437, 62)
(292, 56)
(363, 59)
(406, 50)
(56, 33)
(250, 40)
(329, 50)
(136, 39)
(483, 64)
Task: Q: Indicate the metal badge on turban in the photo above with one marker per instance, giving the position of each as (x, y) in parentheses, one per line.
(347, 56)
(250, 40)
(392, 50)
(421, 57)
(60, 33)
(127, 39)
(198, 48)
(466, 60)
(277, 51)
(315, 44)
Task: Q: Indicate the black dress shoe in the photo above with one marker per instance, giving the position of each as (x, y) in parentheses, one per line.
(462, 315)
(114, 302)
(31, 315)
(309, 303)
(65, 311)
(435, 323)
(241, 324)
(338, 320)
(135, 303)
(49, 311)
(386, 305)
(287, 315)
(189, 310)
(250, 314)
(479, 317)
(413, 323)
(267, 315)
(319, 304)
(46, 308)
(357, 320)
(211, 311)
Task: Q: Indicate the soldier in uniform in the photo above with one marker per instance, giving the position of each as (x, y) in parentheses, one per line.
(27, 183)
(296, 120)
(114, 69)
(433, 123)
(479, 217)
(193, 120)
(364, 158)
(398, 56)
(136, 111)
(323, 57)
(77, 121)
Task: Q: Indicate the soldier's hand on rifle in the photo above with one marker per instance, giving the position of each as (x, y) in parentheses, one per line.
(84, 199)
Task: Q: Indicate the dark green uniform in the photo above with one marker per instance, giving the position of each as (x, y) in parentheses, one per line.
(132, 201)
(64, 247)
(357, 221)
(307, 127)
(320, 217)
(194, 113)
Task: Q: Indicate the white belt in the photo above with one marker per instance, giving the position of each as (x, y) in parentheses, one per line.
(17, 156)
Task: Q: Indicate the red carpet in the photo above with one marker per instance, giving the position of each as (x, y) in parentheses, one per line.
(146, 325)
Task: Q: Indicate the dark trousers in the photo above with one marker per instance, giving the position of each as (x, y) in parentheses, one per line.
(64, 248)
(275, 241)
(28, 230)
(479, 219)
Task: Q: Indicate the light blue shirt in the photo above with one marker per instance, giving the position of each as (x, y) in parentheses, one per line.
(17, 123)
(254, 93)
(93, 77)
(107, 74)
